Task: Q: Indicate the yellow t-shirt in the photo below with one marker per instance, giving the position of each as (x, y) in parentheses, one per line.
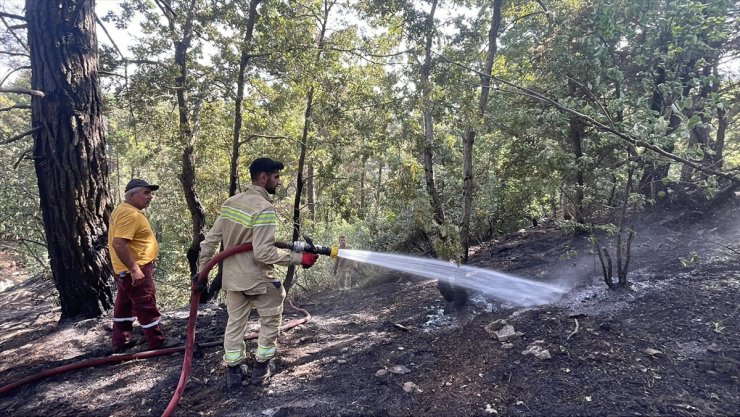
(129, 223)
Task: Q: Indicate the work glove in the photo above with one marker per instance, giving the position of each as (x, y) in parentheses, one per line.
(309, 259)
(197, 286)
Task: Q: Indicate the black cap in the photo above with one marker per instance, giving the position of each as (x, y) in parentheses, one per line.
(136, 183)
(260, 165)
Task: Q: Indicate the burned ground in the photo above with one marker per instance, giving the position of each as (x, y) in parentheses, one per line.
(669, 346)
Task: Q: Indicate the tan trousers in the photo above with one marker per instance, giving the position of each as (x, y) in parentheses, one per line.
(345, 279)
(239, 304)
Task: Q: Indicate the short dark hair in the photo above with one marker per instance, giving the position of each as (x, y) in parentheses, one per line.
(263, 164)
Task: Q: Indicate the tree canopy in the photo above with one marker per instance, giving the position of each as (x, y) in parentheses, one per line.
(420, 127)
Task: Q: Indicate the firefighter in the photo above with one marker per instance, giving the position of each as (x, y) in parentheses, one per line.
(248, 277)
(344, 268)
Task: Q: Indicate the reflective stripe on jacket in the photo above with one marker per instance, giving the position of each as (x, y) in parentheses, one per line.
(247, 217)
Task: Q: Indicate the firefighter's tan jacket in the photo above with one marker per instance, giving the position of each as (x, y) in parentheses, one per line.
(247, 217)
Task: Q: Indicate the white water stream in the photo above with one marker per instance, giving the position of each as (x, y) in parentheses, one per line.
(499, 285)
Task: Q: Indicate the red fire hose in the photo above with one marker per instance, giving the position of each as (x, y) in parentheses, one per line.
(189, 345)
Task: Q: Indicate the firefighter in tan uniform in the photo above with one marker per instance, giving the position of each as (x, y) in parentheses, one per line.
(344, 268)
(248, 277)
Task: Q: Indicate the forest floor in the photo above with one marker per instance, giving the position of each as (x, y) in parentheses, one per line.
(668, 346)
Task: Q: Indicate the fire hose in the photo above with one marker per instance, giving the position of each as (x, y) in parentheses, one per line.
(189, 347)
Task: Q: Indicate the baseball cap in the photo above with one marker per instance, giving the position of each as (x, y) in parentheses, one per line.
(136, 183)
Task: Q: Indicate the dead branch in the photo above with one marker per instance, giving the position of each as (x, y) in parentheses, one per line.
(112, 74)
(14, 70)
(20, 158)
(607, 275)
(11, 29)
(27, 91)
(13, 16)
(110, 38)
(19, 136)
(574, 331)
(17, 106)
(11, 53)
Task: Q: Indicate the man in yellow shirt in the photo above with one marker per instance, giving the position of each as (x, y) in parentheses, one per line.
(133, 247)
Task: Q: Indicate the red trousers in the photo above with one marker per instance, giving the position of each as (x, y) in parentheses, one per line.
(136, 302)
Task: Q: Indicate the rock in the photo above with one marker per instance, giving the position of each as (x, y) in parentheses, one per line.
(653, 352)
(536, 350)
(507, 346)
(381, 372)
(411, 387)
(506, 333)
(714, 348)
(490, 410)
(399, 369)
(494, 326)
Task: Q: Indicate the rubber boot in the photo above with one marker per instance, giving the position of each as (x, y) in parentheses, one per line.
(154, 337)
(234, 376)
(263, 371)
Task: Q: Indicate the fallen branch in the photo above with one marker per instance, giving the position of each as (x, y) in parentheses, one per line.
(578, 326)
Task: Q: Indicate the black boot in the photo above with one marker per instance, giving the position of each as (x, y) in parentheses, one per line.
(234, 377)
(263, 371)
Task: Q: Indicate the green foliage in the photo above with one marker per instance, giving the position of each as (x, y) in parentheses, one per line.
(692, 260)
(651, 69)
(21, 222)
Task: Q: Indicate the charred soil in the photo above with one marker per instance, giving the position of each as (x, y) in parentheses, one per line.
(668, 345)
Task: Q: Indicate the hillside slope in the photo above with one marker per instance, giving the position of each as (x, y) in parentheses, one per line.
(669, 346)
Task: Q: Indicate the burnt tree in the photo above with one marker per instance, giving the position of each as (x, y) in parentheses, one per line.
(69, 152)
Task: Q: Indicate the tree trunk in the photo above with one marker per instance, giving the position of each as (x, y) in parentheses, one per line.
(69, 153)
(238, 119)
(215, 285)
(308, 115)
(719, 141)
(188, 130)
(310, 192)
(469, 136)
(651, 184)
(428, 121)
(577, 129)
(299, 185)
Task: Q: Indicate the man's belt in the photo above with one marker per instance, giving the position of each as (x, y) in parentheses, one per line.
(123, 274)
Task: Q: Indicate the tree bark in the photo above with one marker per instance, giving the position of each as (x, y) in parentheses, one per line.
(470, 132)
(307, 117)
(428, 121)
(577, 130)
(238, 119)
(188, 132)
(69, 153)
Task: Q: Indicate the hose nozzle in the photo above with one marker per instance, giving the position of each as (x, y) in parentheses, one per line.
(310, 247)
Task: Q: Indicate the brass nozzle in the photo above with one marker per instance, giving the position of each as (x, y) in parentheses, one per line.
(334, 251)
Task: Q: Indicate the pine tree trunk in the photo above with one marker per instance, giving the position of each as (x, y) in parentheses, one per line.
(69, 153)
